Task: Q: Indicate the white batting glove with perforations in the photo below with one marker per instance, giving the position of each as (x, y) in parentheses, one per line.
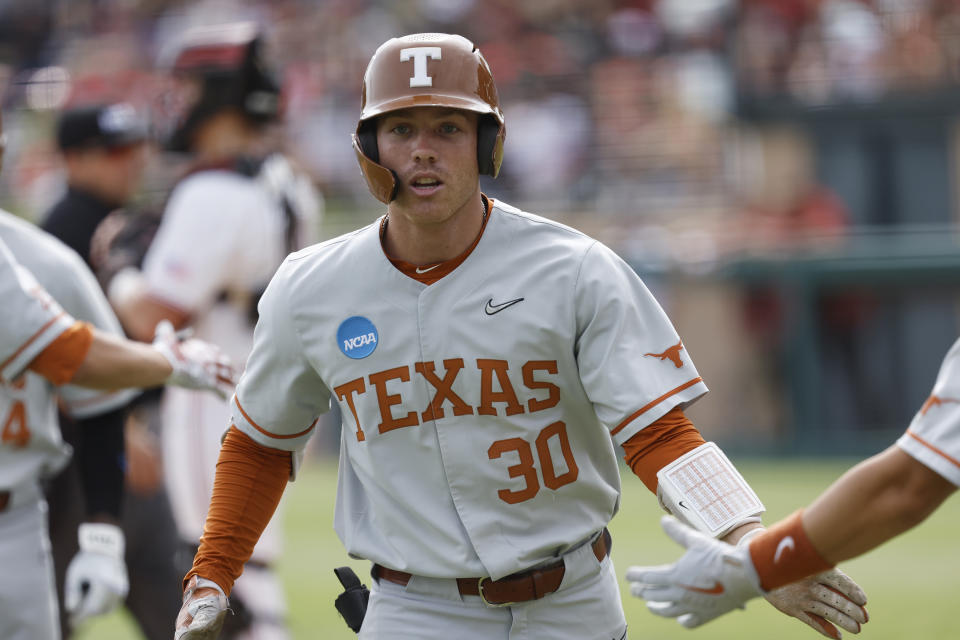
(822, 601)
(196, 364)
(203, 611)
(713, 578)
(96, 580)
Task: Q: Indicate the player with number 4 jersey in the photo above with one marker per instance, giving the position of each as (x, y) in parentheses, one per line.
(488, 363)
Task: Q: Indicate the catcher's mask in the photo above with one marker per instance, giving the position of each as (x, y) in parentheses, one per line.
(213, 69)
(427, 70)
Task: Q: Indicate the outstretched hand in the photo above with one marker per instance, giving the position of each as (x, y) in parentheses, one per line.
(709, 580)
(196, 364)
(713, 578)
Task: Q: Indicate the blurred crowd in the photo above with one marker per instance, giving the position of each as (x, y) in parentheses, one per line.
(623, 108)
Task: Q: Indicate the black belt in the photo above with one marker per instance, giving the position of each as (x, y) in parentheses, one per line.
(519, 587)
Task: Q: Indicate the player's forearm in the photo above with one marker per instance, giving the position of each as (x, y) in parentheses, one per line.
(116, 363)
(249, 482)
(138, 312)
(875, 501)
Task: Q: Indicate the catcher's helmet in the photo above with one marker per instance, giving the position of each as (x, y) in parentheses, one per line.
(427, 70)
(226, 63)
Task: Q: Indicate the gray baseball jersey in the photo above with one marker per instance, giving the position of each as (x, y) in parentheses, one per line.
(31, 446)
(30, 318)
(478, 411)
(933, 437)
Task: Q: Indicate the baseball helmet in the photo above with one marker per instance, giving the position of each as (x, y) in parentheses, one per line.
(226, 62)
(427, 70)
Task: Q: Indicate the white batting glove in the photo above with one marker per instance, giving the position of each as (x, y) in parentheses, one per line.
(203, 611)
(713, 578)
(96, 580)
(828, 597)
(196, 364)
(709, 580)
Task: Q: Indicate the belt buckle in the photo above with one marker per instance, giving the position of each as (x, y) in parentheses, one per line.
(494, 605)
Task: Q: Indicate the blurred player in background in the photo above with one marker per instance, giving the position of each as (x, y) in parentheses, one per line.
(225, 229)
(873, 502)
(487, 362)
(43, 347)
(104, 150)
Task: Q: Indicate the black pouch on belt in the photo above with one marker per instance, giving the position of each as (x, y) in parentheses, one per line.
(352, 603)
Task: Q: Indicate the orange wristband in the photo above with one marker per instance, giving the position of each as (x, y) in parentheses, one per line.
(783, 554)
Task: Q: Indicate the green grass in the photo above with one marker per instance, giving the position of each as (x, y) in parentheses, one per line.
(912, 582)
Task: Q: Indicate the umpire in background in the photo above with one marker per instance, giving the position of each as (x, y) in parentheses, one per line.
(104, 154)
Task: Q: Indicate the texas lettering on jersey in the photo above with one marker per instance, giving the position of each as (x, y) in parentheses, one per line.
(374, 386)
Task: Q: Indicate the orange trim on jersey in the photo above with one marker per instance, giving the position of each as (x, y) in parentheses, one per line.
(249, 482)
(650, 405)
(438, 270)
(59, 362)
(268, 433)
(783, 553)
(30, 340)
(660, 443)
(932, 448)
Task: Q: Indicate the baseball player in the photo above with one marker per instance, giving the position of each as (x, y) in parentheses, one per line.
(40, 336)
(103, 149)
(875, 501)
(488, 362)
(226, 228)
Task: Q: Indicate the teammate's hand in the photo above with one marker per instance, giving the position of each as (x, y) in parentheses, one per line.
(713, 577)
(709, 580)
(827, 599)
(202, 614)
(196, 364)
(96, 580)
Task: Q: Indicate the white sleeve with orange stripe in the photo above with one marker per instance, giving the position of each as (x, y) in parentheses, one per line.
(933, 437)
(29, 317)
(280, 396)
(632, 364)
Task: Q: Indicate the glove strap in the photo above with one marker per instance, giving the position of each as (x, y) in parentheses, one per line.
(100, 537)
(784, 554)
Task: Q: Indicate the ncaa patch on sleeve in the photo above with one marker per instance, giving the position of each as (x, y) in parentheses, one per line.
(357, 337)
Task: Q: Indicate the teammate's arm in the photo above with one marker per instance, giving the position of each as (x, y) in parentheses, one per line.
(820, 602)
(88, 357)
(873, 502)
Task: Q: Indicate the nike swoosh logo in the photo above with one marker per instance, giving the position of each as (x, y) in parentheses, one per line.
(497, 308)
(786, 543)
(419, 270)
(683, 505)
(715, 590)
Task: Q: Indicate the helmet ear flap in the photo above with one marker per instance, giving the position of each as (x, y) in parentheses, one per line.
(489, 145)
(367, 139)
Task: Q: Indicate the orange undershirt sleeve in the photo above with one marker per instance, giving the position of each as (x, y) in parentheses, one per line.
(660, 443)
(249, 481)
(59, 362)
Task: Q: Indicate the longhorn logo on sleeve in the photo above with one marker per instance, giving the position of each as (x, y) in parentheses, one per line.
(935, 401)
(672, 354)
